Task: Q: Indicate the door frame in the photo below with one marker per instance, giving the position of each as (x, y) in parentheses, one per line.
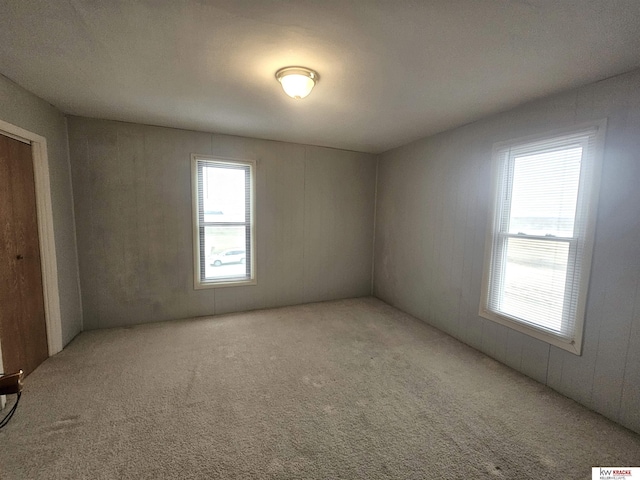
(46, 238)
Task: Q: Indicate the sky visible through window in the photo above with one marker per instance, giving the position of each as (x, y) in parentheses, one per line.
(224, 194)
(545, 193)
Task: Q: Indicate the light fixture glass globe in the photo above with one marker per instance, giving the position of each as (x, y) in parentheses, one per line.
(297, 86)
(297, 82)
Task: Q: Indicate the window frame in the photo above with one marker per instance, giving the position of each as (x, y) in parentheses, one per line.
(200, 284)
(586, 207)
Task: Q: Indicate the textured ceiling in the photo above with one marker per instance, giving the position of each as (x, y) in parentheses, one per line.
(391, 71)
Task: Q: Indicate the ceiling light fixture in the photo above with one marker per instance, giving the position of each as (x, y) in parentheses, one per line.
(297, 82)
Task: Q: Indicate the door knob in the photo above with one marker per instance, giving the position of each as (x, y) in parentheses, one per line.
(19, 257)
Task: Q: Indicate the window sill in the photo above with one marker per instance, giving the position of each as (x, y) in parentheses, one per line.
(539, 334)
(223, 284)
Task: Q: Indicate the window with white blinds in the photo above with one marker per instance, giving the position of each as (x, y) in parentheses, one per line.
(224, 252)
(541, 235)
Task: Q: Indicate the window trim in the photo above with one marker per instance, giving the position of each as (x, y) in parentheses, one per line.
(573, 345)
(197, 282)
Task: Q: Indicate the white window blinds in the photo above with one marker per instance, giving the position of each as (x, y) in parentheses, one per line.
(224, 227)
(540, 237)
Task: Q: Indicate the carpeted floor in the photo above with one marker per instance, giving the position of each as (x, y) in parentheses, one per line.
(351, 389)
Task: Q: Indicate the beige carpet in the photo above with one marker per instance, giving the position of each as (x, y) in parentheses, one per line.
(350, 389)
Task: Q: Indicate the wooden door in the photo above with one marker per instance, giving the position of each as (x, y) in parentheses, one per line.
(23, 331)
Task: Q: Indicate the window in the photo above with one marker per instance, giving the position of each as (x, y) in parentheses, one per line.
(540, 238)
(224, 252)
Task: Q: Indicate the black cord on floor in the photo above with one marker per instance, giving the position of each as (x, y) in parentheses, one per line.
(8, 416)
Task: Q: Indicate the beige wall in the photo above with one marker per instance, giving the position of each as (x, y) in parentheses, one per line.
(433, 201)
(132, 193)
(23, 109)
